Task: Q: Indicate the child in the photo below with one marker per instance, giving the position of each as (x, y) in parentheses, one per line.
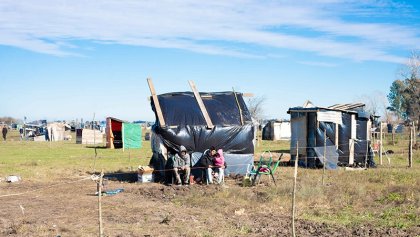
(219, 165)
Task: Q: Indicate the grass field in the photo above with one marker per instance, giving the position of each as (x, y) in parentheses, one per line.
(377, 202)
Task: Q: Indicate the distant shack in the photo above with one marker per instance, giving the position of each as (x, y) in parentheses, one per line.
(122, 134)
(276, 130)
(89, 136)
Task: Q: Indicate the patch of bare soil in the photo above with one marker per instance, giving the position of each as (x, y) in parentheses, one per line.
(157, 210)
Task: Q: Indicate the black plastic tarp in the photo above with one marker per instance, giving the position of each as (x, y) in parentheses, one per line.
(344, 136)
(181, 108)
(232, 139)
(185, 125)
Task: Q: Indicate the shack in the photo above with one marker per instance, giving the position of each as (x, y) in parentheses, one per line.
(88, 136)
(276, 130)
(200, 120)
(341, 131)
(122, 134)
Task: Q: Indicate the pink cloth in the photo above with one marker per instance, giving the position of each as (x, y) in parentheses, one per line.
(219, 159)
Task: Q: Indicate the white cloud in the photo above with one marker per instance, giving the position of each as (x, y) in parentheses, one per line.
(318, 64)
(324, 27)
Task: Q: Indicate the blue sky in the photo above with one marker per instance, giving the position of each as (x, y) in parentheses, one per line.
(70, 59)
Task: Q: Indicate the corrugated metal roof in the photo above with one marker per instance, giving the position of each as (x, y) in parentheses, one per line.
(337, 107)
(350, 106)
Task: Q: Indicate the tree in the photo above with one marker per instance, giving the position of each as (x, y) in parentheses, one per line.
(8, 120)
(396, 99)
(375, 103)
(255, 107)
(404, 95)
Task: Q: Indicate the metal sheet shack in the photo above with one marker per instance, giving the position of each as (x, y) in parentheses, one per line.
(341, 131)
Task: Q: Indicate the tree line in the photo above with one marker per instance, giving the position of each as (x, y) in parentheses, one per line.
(404, 94)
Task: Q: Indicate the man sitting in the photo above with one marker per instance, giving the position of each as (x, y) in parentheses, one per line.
(207, 162)
(182, 163)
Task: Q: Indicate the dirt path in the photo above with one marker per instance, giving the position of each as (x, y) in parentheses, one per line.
(156, 210)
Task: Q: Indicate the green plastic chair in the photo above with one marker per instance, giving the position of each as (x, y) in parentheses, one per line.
(265, 168)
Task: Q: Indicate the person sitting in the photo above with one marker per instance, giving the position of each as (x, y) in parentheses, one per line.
(207, 162)
(182, 162)
(219, 165)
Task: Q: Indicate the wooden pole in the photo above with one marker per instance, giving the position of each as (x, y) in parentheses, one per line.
(156, 103)
(410, 149)
(393, 134)
(258, 133)
(101, 229)
(294, 190)
(239, 106)
(380, 144)
(324, 159)
(336, 135)
(94, 161)
(201, 105)
(122, 137)
(94, 133)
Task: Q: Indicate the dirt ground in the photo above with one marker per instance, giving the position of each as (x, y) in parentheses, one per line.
(158, 210)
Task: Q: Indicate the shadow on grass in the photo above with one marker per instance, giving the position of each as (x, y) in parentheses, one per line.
(97, 147)
(129, 176)
(281, 151)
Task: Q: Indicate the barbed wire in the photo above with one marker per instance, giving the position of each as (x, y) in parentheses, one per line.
(43, 188)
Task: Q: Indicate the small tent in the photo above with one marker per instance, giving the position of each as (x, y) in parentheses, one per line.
(121, 134)
(341, 131)
(276, 130)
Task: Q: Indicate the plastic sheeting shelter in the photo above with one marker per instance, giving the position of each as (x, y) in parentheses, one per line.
(57, 131)
(276, 130)
(347, 129)
(121, 134)
(187, 125)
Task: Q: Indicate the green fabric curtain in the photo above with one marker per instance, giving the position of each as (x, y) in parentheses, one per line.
(131, 135)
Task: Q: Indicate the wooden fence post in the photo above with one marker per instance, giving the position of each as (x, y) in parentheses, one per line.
(101, 229)
(294, 190)
(380, 145)
(410, 149)
(325, 154)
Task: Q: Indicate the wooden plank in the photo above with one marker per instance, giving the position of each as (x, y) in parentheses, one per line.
(156, 102)
(352, 139)
(380, 144)
(351, 151)
(239, 106)
(336, 135)
(201, 105)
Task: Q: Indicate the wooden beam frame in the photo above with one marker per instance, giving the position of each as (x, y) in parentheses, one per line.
(156, 102)
(247, 95)
(239, 106)
(337, 127)
(201, 105)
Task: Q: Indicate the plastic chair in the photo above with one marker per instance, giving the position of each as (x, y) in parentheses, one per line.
(265, 168)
